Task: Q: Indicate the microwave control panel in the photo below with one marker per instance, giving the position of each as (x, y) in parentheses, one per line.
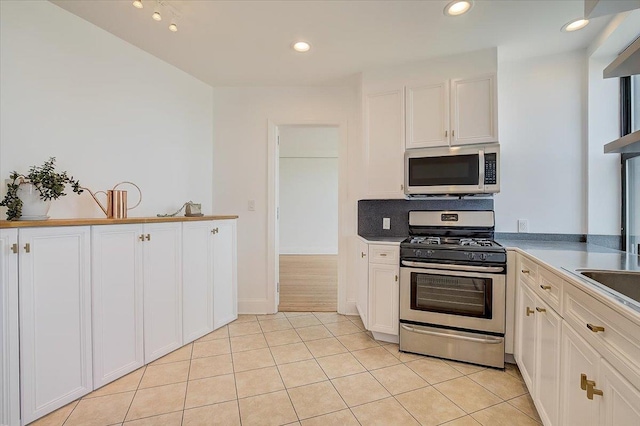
(490, 169)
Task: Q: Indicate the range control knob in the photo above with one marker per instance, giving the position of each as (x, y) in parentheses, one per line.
(483, 256)
(470, 256)
(430, 253)
(418, 253)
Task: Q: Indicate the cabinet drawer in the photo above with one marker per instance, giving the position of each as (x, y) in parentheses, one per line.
(614, 336)
(528, 271)
(383, 254)
(549, 288)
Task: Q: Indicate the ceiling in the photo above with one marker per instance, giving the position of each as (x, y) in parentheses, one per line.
(247, 43)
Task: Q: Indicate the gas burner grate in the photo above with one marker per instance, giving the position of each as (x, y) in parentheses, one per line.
(476, 242)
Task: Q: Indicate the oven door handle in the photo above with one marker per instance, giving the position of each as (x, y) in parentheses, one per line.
(465, 268)
(487, 339)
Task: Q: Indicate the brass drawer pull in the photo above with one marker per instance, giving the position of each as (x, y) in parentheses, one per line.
(595, 328)
(27, 248)
(396, 278)
(526, 271)
(383, 254)
(545, 287)
(591, 390)
(14, 248)
(148, 237)
(362, 254)
(214, 231)
(141, 237)
(530, 311)
(541, 309)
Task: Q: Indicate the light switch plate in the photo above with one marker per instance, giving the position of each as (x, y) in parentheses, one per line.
(386, 223)
(252, 205)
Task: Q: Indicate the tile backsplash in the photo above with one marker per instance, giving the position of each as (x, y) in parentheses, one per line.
(371, 213)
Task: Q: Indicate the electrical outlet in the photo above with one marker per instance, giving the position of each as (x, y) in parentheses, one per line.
(523, 225)
(386, 223)
(252, 205)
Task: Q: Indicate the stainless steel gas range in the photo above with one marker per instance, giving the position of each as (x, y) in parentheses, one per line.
(453, 287)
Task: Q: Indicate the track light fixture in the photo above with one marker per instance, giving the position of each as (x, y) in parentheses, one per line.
(137, 4)
(156, 16)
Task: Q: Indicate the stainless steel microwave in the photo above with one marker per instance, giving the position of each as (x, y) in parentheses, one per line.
(452, 170)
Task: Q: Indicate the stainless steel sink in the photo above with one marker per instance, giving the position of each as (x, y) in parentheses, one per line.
(624, 282)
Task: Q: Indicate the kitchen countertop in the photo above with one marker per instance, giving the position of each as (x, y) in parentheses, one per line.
(104, 221)
(569, 257)
(385, 240)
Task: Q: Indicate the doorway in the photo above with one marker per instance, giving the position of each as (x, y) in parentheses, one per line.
(307, 217)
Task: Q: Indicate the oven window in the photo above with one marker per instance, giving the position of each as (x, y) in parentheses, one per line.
(444, 171)
(464, 296)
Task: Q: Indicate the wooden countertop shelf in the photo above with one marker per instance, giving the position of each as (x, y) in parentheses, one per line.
(104, 221)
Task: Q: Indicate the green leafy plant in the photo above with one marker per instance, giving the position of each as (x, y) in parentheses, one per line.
(50, 183)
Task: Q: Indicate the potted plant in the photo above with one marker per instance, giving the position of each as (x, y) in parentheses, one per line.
(29, 196)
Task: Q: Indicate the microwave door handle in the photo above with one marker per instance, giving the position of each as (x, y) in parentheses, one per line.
(481, 170)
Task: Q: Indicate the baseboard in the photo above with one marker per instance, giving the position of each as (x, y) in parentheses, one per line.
(350, 308)
(254, 306)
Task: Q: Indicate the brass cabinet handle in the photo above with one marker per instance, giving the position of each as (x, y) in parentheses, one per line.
(595, 328)
(589, 386)
(541, 309)
(27, 248)
(545, 287)
(446, 133)
(401, 187)
(383, 254)
(453, 133)
(526, 271)
(591, 390)
(14, 248)
(362, 254)
(530, 311)
(214, 231)
(396, 278)
(148, 237)
(141, 237)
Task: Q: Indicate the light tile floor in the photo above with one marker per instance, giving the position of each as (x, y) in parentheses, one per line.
(302, 369)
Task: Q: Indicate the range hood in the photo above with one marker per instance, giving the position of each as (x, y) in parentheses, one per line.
(626, 64)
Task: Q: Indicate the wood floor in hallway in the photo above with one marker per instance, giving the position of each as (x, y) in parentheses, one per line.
(308, 283)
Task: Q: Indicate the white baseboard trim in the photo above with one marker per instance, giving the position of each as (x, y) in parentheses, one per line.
(350, 308)
(254, 306)
(390, 338)
(308, 250)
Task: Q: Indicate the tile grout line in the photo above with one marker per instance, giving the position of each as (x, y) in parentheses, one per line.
(134, 394)
(186, 389)
(233, 369)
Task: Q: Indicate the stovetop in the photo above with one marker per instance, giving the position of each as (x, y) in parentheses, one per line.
(451, 242)
(458, 250)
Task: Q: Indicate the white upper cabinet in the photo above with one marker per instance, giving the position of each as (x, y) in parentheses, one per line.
(384, 144)
(162, 289)
(55, 318)
(9, 365)
(474, 110)
(117, 293)
(452, 112)
(427, 115)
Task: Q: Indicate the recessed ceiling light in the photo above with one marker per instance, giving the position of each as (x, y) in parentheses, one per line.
(301, 46)
(137, 4)
(173, 27)
(458, 7)
(156, 16)
(575, 25)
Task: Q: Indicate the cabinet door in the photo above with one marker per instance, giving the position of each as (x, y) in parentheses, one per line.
(55, 318)
(116, 275)
(197, 279)
(162, 289)
(225, 278)
(384, 297)
(427, 115)
(384, 144)
(9, 367)
(362, 301)
(547, 370)
(474, 110)
(620, 400)
(526, 334)
(578, 358)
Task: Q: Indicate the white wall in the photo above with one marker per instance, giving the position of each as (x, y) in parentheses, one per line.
(603, 178)
(308, 190)
(542, 122)
(241, 117)
(107, 110)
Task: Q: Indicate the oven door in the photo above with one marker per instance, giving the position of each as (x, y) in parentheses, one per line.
(472, 298)
(444, 171)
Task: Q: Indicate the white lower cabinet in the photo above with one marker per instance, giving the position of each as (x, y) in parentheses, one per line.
(55, 318)
(162, 258)
(378, 299)
(525, 351)
(209, 277)
(116, 261)
(225, 278)
(9, 352)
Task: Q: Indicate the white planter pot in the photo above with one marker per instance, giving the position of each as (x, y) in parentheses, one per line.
(33, 207)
